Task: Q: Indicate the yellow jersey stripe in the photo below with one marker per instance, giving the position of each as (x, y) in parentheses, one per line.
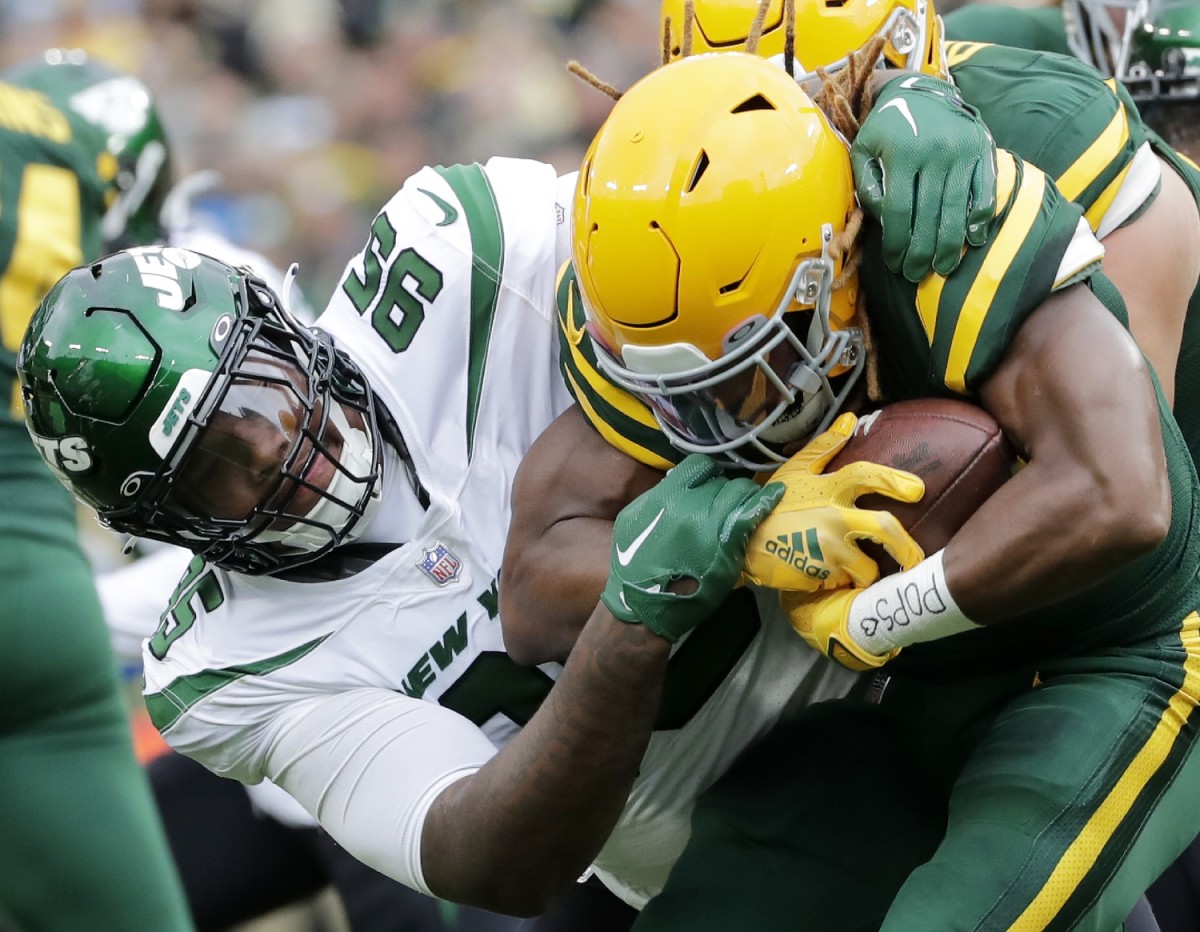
(929, 292)
(1080, 857)
(1005, 245)
(959, 52)
(1095, 213)
(1006, 179)
(929, 297)
(620, 399)
(638, 452)
(1098, 156)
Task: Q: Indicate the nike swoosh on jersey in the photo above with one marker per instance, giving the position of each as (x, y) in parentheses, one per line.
(624, 556)
(449, 211)
(902, 106)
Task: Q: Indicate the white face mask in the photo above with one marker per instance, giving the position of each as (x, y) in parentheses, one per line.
(356, 457)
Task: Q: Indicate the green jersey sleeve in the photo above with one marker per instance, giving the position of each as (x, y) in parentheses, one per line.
(1039, 28)
(623, 420)
(1057, 113)
(947, 334)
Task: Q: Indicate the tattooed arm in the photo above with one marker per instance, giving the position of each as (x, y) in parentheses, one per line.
(522, 829)
(552, 796)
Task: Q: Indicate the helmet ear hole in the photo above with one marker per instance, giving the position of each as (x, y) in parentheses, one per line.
(702, 164)
(757, 102)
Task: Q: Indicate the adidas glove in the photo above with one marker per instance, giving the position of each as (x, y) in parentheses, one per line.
(692, 526)
(810, 541)
(925, 166)
(823, 619)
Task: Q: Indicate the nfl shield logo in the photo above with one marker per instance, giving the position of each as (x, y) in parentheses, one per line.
(440, 565)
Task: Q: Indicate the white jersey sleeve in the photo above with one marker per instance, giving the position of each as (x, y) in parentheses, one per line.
(367, 763)
(341, 692)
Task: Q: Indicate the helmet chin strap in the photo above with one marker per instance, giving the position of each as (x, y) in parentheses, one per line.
(356, 458)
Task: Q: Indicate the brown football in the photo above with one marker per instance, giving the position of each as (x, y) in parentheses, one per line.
(957, 448)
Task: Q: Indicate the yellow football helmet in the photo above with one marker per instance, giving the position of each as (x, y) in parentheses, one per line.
(703, 220)
(825, 33)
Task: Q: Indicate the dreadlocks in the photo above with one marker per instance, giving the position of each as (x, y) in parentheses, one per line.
(586, 76)
(845, 98)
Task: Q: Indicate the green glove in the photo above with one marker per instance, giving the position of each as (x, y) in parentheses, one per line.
(693, 525)
(925, 167)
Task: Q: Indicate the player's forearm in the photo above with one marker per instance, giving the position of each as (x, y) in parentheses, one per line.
(570, 488)
(1076, 396)
(549, 590)
(522, 829)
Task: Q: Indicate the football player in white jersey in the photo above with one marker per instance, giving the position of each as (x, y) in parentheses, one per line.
(346, 490)
(244, 851)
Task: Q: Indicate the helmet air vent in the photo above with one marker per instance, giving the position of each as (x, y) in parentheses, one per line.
(698, 172)
(757, 102)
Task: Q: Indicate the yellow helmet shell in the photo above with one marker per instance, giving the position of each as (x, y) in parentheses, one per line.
(825, 34)
(723, 26)
(708, 185)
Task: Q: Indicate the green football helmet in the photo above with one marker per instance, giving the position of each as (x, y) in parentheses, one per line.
(115, 114)
(178, 398)
(1150, 46)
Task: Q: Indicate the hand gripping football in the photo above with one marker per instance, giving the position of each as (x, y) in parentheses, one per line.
(957, 448)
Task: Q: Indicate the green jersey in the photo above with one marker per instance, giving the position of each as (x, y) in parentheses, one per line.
(962, 328)
(1039, 28)
(1055, 112)
(52, 197)
(1088, 136)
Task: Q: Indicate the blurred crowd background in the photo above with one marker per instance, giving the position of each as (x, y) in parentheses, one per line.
(315, 111)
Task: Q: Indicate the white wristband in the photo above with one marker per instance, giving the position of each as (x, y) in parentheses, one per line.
(906, 608)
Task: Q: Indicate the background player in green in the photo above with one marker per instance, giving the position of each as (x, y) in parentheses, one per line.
(1038, 27)
(1037, 246)
(83, 164)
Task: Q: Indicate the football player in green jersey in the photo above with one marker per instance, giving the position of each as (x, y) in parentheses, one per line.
(1086, 135)
(84, 166)
(1057, 582)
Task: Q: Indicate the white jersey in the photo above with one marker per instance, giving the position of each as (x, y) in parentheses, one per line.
(365, 696)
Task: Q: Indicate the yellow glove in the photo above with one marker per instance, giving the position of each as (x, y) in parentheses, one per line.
(810, 541)
(821, 620)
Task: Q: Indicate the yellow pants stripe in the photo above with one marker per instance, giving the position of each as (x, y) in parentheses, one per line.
(1080, 857)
